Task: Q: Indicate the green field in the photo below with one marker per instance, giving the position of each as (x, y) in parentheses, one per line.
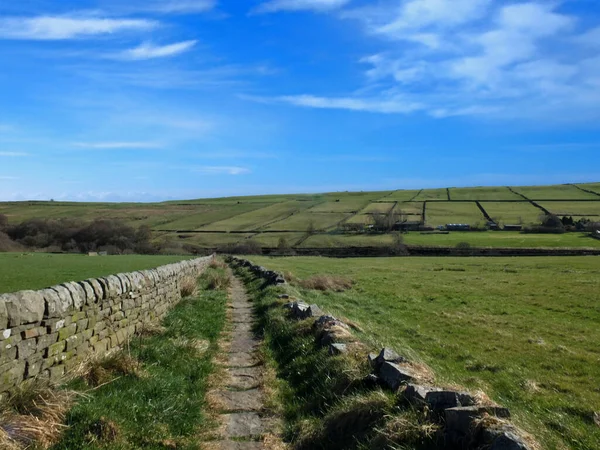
(19, 271)
(513, 213)
(590, 210)
(295, 212)
(483, 193)
(566, 192)
(523, 330)
(442, 213)
(509, 239)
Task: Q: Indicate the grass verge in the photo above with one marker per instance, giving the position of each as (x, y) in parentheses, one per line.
(327, 402)
(151, 396)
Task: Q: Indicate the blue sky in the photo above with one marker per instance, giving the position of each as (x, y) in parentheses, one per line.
(165, 99)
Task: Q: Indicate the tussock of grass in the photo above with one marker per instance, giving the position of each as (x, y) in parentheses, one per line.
(216, 278)
(188, 287)
(218, 264)
(104, 370)
(33, 416)
(327, 283)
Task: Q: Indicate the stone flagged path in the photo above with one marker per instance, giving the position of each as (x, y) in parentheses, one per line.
(240, 400)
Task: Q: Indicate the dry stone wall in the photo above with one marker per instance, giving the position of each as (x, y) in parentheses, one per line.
(47, 333)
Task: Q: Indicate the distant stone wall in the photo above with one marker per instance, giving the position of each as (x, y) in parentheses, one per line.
(47, 333)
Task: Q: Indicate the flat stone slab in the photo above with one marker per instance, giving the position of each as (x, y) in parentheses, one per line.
(235, 445)
(245, 378)
(246, 401)
(241, 359)
(241, 344)
(243, 425)
(242, 318)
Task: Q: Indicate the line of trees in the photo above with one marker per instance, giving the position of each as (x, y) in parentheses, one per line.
(75, 235)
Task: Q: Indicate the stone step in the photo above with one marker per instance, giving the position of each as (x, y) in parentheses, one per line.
(234, 401)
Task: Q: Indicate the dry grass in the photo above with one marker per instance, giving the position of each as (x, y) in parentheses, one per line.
(188, 287)
(217, 279)
(149, 329)
(409, 428)
(103, 430)
(218, 264)
(102, 371)
(34, 415)
(327, 283)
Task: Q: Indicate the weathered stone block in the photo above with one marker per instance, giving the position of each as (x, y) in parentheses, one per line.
(67, 332)
(3, 313)
(77, 293)
(394, 376)
(460, 420)
(337, 349)
(389, 355)
(55, 349)
(33, 368)
(24, 307)
(440, 400)
(59, 303)
(82, 325)
(26, 348)
(33, 332)
(71, 343)
(46, 341)
(90, 295)
(8, 354)
(12, 373)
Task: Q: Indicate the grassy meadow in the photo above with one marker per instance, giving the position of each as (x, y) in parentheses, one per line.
(523, 330)
(327, 212)
(19, 271)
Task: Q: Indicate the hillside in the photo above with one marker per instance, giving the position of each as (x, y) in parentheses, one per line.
(266, 219)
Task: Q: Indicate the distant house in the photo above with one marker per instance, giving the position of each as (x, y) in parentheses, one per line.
(458, 227)
(596, 234)
(92, 253)
(513, 227)
(493, 225)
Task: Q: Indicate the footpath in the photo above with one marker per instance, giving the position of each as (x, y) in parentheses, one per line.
(238, 402)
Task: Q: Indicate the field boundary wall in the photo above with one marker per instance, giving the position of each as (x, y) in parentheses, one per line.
(47, 333)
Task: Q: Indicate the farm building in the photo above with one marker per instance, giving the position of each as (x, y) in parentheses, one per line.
(409, 225)
(458, 227)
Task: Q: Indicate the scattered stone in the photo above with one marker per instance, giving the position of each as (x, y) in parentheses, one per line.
(415, 393)
(371, 358)
(394, 376)
(283, 296)
(388, 355)
(459, 420)
(337, 349)
(503, 438)
(440, 400)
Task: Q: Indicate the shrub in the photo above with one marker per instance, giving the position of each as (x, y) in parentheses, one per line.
(246, 247)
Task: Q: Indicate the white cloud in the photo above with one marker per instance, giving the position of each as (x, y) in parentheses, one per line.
(221, 170)
(178, 6)
(150, 51)
(382, 105)
(300, 5)
(68, 27)
(13, 154)
(118, 145)
(524, 59)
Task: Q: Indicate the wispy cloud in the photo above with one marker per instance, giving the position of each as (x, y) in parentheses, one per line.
(474, 57)
(150, 51)
(300, 5)
(68, 27)
(170, 6)
(221, 170)
(14, 154)
(118, 145)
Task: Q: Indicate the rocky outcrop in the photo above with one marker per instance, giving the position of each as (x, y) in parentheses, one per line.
(46, 333)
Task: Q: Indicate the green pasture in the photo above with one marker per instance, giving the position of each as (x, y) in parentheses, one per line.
(21, 271)
(523, 330)
(442, 213)
(402, 195)
(595, 187)
(302, 220)
(378, 208)
(483, 193)
(513, 213)
(432, 194)
(510, 239)
(590, 210)
(558, 192)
